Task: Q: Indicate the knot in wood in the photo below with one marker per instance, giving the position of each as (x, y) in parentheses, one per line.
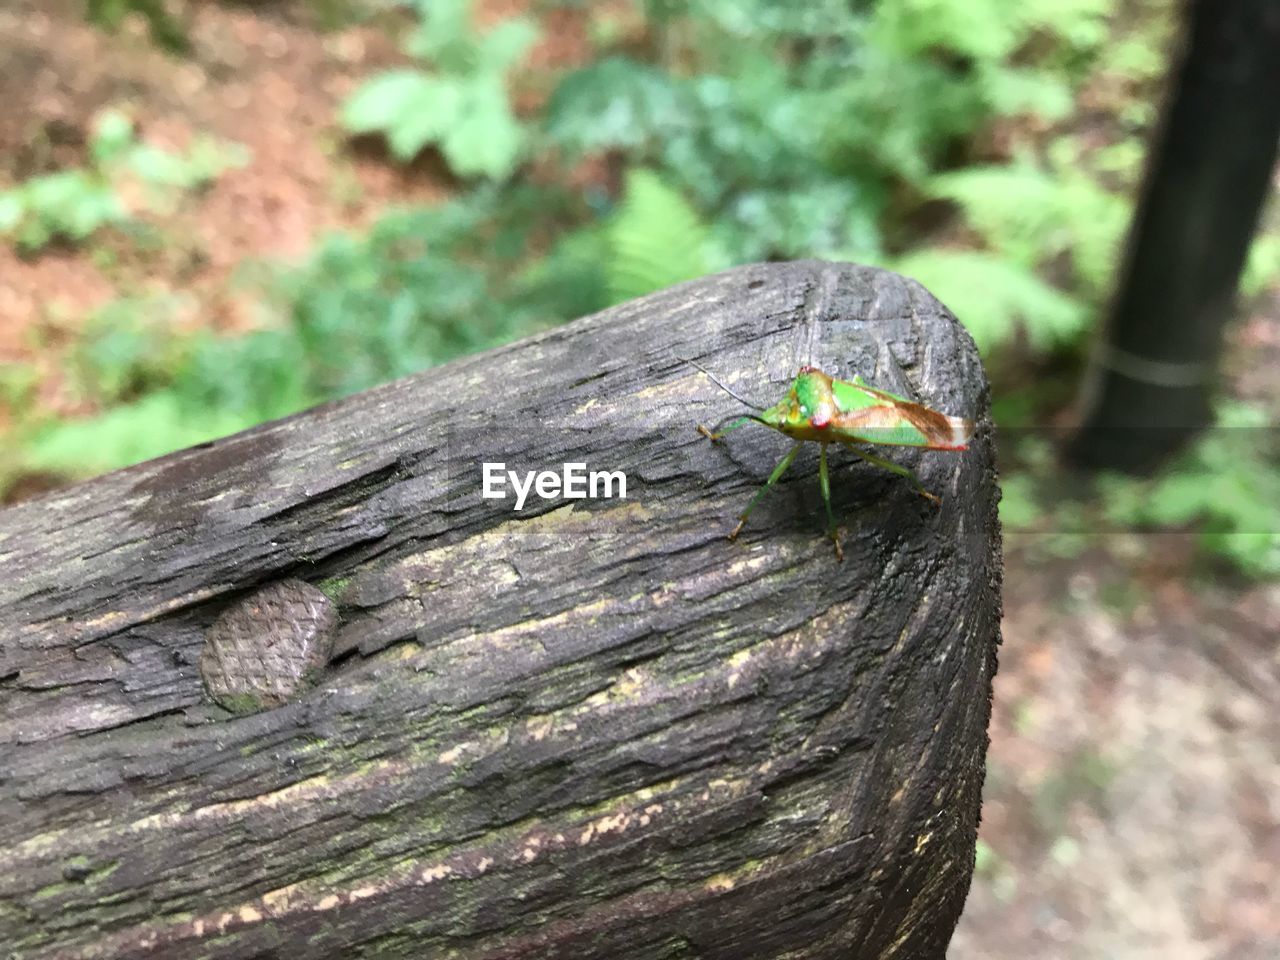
(267, 649)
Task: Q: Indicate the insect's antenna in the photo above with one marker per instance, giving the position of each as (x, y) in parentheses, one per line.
(716, 381)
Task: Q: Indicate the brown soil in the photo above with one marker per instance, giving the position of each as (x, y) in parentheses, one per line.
(259, 76)
(1130, 803)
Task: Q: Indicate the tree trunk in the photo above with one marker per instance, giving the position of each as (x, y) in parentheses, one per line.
(588, 728)
(1148, 391)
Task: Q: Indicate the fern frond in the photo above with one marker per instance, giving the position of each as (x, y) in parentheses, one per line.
(994, 298)
(656, 239)
(1030, 217)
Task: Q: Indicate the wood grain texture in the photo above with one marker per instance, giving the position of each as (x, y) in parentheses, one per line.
(587, 729)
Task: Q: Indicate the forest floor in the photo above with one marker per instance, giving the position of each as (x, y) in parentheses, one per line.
(260, 77)
(1132, 803)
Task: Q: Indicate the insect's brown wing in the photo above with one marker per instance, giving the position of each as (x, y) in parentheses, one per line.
(903, 424)
(944, 432)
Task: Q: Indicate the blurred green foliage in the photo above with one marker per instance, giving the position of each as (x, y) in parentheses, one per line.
(655, 239)
(166, 31)
(461, 105)
(71, 205)
(171, 32)
(976, 145)
(998, 298)
(1225, 489)
(130, 347)
(1030, 217)
(363, 310)
(1227, 485)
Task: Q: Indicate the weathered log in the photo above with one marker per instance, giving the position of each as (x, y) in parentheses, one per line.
(591, 728)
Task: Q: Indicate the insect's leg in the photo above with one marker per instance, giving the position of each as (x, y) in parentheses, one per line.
(900, 470)
(778, 471)
(720, 433)
(824, 483)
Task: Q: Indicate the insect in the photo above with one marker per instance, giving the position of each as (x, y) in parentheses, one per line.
(827, 410)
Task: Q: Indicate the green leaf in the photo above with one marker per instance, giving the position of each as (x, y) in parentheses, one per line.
(1255, 554)
(400, 96)
(1179, 500)
(506, 43)
(486, 139)
(1228, 483)
(467, 112)
(615, 102)
(201, 163)
(129, 346)
(656, 239)
(1024, 91)
(155, 425)
(1019, 508)
(12, 210)
(157, 166)
(166, 31)
(436, 110)
(446, 36)
(1262, 269)
(112, 137)
(817, 217)
(73, 204)
(994, 298)
(1032, 216)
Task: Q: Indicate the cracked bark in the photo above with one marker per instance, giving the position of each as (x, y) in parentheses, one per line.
(587, 729)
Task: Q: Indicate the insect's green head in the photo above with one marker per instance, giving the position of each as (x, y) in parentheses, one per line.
(808, 403)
